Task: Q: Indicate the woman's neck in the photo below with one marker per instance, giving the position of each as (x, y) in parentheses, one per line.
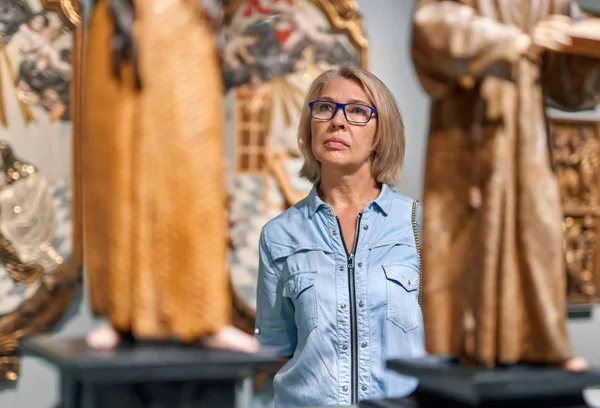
(349, 191)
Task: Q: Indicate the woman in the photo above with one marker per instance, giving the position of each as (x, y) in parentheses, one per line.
(338, 289)
(152, 163)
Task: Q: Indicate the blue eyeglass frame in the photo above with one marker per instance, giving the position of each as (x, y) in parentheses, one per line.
(342, 106)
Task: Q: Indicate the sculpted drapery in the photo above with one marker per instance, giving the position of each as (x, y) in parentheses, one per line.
(154, 197)
(492, 222)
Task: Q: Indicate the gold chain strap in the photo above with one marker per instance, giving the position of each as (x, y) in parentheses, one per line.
(418, 242)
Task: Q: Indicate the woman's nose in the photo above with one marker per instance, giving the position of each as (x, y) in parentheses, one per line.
(338, 118)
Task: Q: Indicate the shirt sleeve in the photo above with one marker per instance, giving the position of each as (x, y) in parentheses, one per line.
(275, 322)
(451, 41)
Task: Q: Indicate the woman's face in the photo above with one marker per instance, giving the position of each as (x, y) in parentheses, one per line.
(337, 144)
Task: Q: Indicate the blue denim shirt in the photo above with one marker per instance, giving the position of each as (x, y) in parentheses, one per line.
(306, 301)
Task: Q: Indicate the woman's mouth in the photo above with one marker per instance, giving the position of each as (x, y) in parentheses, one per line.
(335, 143)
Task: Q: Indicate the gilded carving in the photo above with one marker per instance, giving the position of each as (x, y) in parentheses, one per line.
(40, 225)
(576, 154)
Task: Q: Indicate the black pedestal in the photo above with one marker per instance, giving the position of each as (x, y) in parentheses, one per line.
(445, 383)
(145, 374)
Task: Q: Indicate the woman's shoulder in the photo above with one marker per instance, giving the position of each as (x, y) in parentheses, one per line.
(406, 210)
(402, 203)
(289, 220)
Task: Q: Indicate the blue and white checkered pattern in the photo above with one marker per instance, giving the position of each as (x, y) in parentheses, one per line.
(247, 218)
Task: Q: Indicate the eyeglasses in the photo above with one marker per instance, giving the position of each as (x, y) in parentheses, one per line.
(353, 112)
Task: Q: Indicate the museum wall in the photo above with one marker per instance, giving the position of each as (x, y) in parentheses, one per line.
(387, 23)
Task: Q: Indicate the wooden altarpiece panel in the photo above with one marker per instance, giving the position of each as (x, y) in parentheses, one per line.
(576, 154)
(271, 51)
(40, 203)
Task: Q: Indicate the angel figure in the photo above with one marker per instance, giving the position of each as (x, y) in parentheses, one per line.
(237, 51)
(299, 26)
(494, 287)
(39, 44)
(153, 161)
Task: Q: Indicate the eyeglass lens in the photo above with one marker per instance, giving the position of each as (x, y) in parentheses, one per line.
(355, 112)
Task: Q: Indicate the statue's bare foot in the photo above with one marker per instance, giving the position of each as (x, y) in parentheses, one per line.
(103, 337)
(231, 338)
(576, 364)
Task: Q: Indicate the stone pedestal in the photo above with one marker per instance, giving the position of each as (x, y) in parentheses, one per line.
(445, 383)
(146, 374)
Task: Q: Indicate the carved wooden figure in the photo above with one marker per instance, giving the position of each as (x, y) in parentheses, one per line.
(494, 283)
(154, 198)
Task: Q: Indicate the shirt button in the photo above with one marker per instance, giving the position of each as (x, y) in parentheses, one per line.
(341, 268)
(370, 206)
(345, 347)
(364, 388)
(360, 265)
(361, 303)
(257, 331)
(364, 345)
(345, 388)
(334, 233)
(343, 306)
(365, 227)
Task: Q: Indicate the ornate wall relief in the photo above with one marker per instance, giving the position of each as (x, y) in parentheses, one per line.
(271, 52)
(576, 153)
(40, 236)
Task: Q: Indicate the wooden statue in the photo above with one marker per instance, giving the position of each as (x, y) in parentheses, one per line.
(494, 282)
(154, 193)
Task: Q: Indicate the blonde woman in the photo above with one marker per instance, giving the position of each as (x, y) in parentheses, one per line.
(338, 289)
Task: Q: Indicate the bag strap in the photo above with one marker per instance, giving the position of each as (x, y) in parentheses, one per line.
(418, 243)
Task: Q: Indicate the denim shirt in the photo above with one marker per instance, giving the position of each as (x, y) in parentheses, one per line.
(306, 301)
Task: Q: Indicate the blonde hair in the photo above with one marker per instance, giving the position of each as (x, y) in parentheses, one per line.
(389, 143)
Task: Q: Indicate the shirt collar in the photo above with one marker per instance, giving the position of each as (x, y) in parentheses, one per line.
(383, 200)
(314, 201)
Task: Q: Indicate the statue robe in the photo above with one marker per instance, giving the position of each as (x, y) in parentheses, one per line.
(154, 193)
(496, 271)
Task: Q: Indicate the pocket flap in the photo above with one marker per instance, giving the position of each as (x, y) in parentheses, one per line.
(298, 283)
(405, 275)
(281, 251)
(405, 241)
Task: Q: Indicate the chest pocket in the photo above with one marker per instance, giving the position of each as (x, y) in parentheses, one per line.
(300, 289)
(403, 296)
